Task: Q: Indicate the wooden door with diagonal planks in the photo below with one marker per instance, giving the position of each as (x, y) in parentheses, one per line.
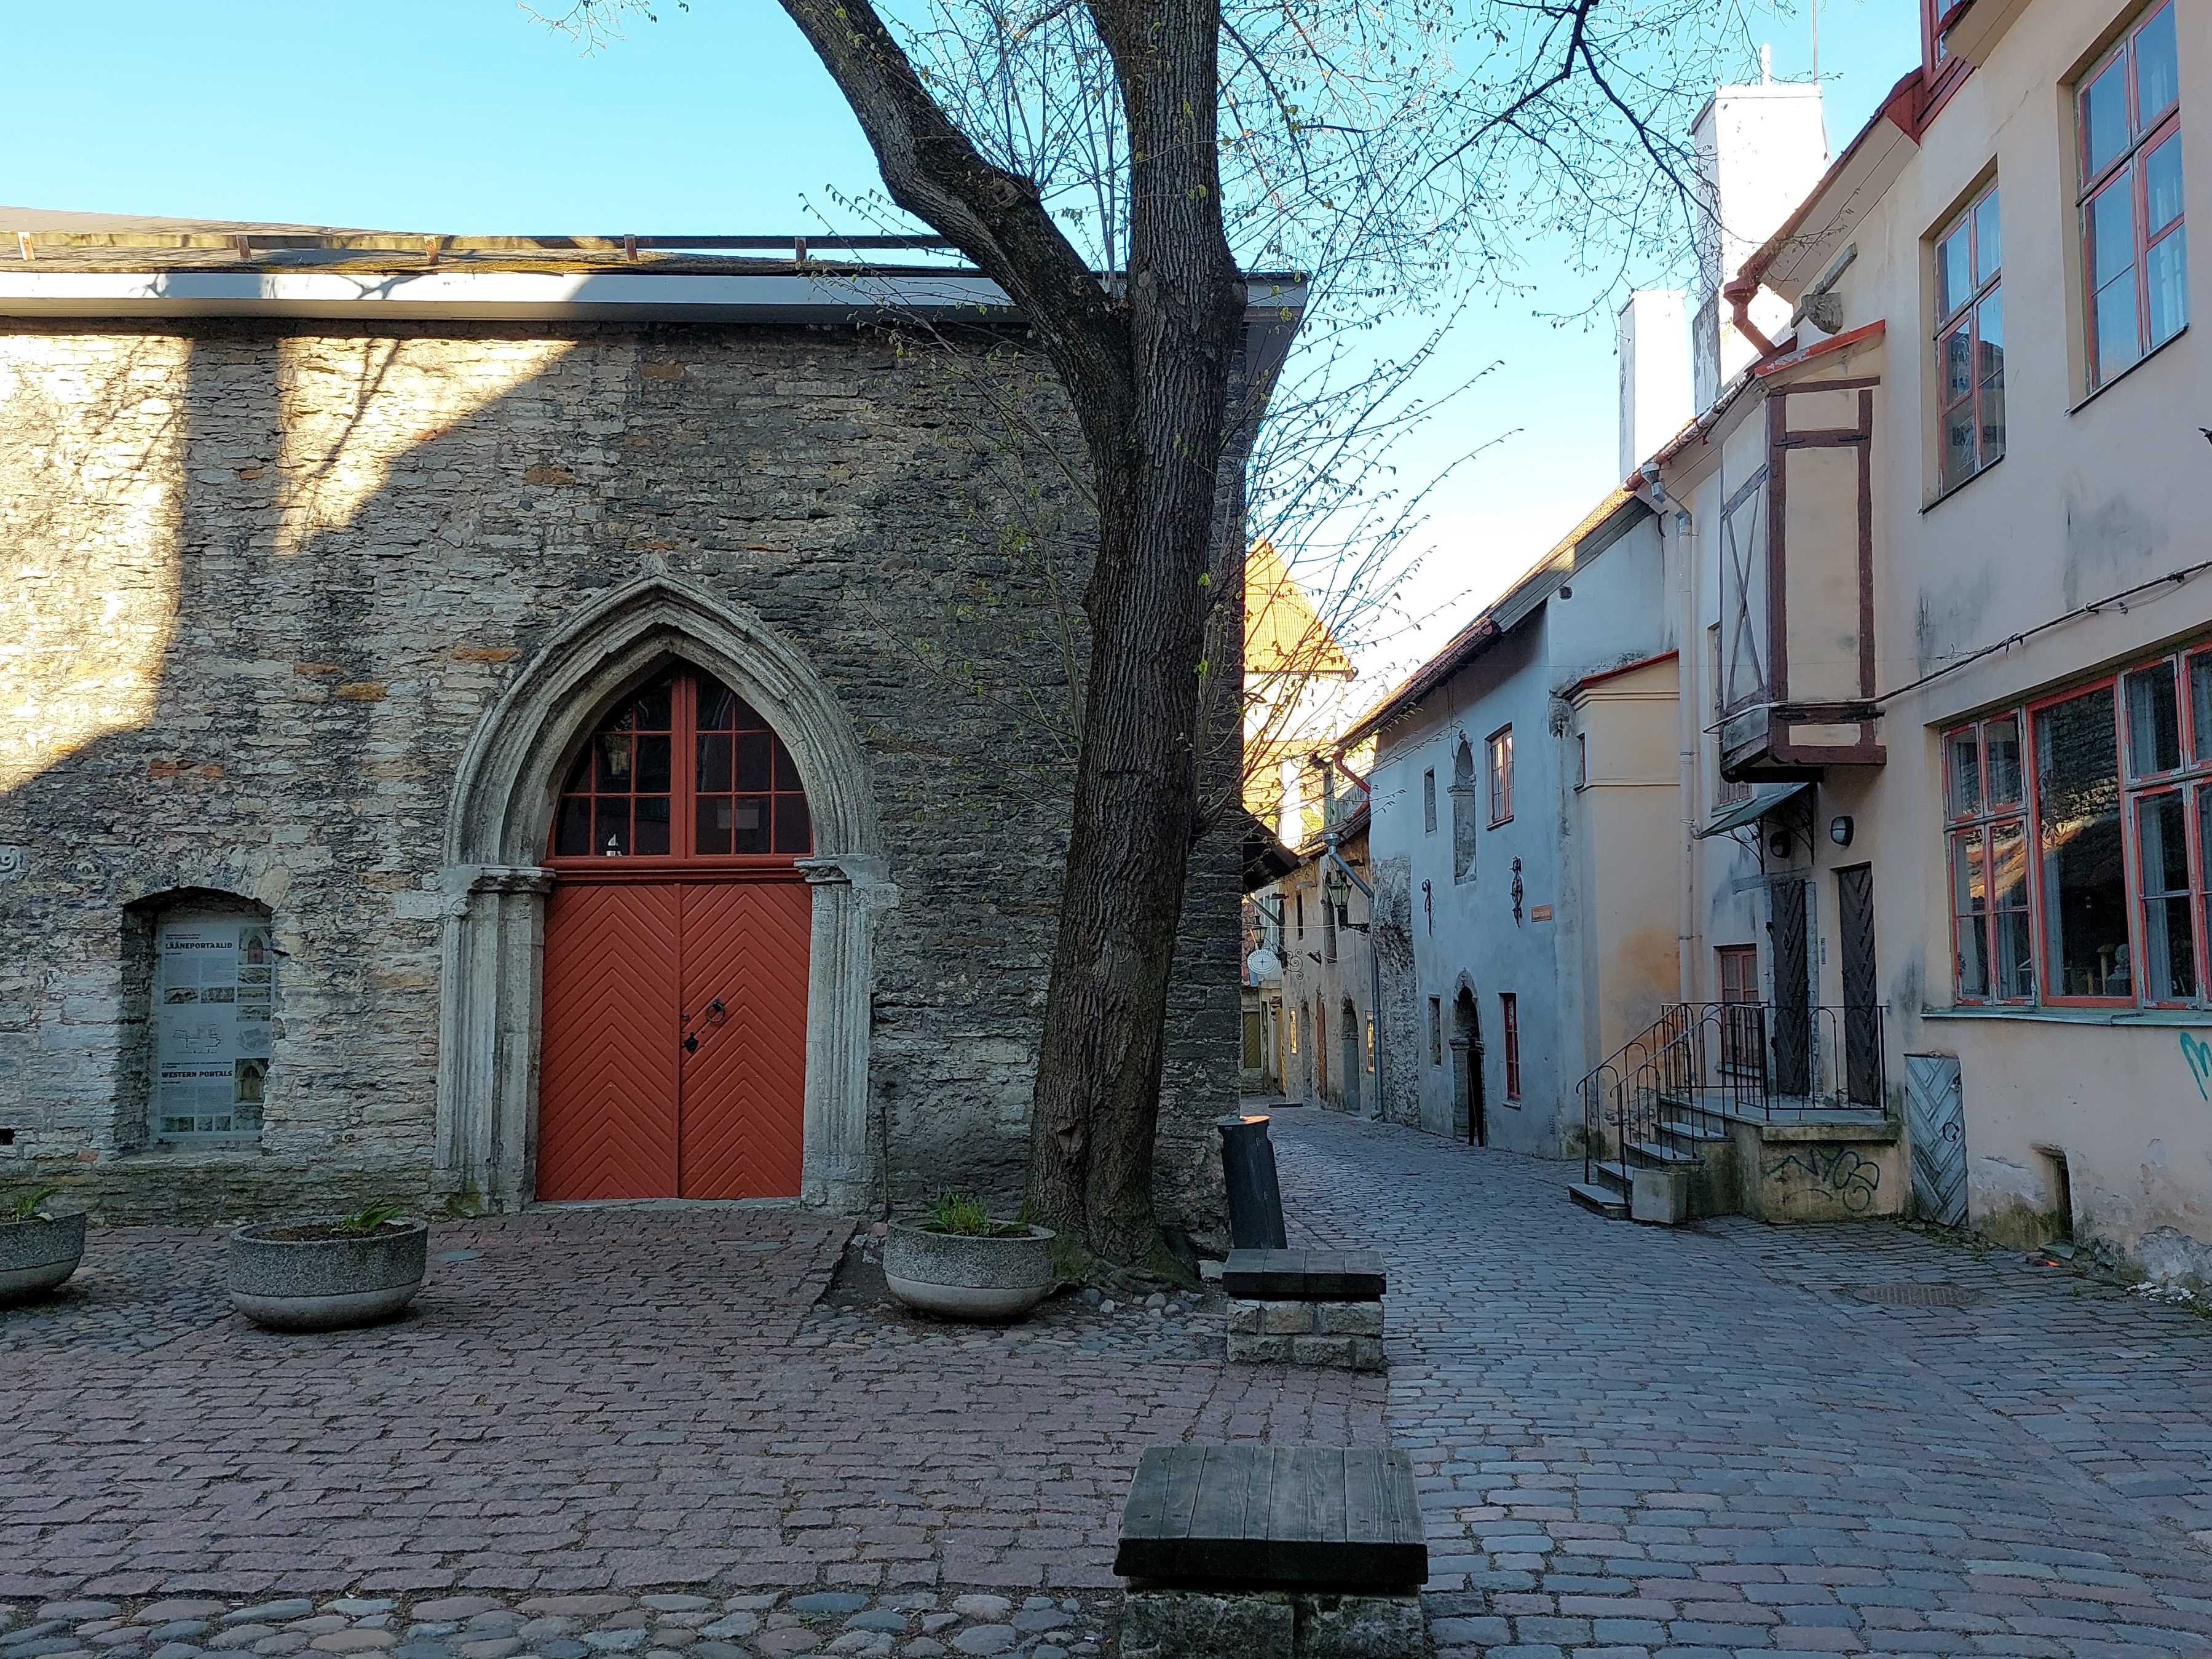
(673, 1063)
(608, 1072)
(745, 1003)
(674, 1057)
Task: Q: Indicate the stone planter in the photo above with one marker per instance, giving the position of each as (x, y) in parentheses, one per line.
(958, 1276)
(325, 1282)
(37, 1255)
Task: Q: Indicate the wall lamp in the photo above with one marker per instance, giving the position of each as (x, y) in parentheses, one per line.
(1839, 831)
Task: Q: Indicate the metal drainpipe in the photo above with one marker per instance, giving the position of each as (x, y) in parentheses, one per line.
(1374, 962)
(1690, 654)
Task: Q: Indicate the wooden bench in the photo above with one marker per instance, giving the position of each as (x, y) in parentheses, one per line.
(1268, 1552)
(1305, 1517)
(1304, 1275)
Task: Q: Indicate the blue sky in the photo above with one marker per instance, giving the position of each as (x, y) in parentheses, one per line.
(468, 116)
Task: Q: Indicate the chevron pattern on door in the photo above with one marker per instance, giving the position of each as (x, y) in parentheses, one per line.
(607, 1088)
(743, 1117)
(1936, 1118)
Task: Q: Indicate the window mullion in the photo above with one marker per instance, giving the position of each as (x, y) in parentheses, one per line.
(684, 768)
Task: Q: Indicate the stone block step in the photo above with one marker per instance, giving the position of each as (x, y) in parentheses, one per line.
(1656, 1152)
(1604, 1199)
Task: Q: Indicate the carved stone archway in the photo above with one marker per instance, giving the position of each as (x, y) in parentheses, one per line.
(493, 888)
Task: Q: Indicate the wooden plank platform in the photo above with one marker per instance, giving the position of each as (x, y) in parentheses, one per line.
(1256, 1517)
(1304, 1275)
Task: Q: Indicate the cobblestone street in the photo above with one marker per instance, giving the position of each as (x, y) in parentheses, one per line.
(1635, 1440)
(665, 1433)
(587, 1402)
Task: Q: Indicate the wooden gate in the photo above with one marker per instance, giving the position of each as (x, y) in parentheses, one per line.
(1935, 1120)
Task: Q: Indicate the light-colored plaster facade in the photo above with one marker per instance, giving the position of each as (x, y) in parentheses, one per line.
(2092, 1119)
(1585, 944)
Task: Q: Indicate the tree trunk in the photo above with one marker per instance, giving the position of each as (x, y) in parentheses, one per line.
(1135, 815)
(1148, 373)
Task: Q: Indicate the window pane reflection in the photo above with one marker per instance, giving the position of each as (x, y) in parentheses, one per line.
(2084, 879)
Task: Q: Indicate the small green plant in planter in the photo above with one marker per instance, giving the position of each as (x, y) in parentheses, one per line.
(38, 1248)
(30, 1206)
(963, 1216)
(959, 1263)
(330, 1272)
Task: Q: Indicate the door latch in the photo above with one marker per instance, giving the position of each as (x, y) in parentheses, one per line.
(690, 1045)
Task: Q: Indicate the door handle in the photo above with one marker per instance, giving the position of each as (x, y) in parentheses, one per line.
(690, 1044)
(715, 1011)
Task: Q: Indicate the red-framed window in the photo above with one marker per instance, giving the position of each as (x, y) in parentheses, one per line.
(683, 770)
(1499, 748)
(2135, 251)
(1509, 1013)
(1986, 800)
(1970, 341)
(2078, 836)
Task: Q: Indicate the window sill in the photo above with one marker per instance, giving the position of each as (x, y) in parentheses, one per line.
(1499, 823)
(1943, 495)
(2152, 1016)
(2162, 346)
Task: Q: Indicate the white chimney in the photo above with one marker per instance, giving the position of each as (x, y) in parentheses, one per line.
(1653, 334)
(1760, 151)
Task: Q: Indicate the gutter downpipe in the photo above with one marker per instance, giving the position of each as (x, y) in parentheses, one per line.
(1374, 960)
(1740, 294)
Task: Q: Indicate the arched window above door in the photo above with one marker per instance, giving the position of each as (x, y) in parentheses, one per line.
(684, 770)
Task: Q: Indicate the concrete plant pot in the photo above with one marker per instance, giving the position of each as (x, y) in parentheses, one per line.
(962, 1276)
(36, 1256)
(306, 1276)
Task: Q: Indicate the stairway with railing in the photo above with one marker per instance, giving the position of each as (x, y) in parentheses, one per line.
(1664, 1100)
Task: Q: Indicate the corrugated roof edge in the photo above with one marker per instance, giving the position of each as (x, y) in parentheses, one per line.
(1611, 518)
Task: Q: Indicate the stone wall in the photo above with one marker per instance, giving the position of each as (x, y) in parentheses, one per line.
(259, 584)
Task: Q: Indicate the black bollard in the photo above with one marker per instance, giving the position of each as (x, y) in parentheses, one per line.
(1255, 1201)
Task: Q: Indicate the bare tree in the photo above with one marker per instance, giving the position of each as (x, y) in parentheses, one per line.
(1115, 166)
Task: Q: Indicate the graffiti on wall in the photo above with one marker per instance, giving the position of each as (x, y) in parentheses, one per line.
(1848, 1176)
(2198, 1053)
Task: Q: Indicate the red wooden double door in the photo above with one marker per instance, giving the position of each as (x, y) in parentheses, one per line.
(673, 1059)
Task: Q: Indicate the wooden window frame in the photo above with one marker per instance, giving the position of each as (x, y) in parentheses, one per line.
(2191, 780)
(1982, 822)
(683, 794)
(1509, 1013)
(1497, 765)
(1980, 287)
(2124, 170)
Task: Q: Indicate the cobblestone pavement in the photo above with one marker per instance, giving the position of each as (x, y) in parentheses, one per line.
(593, 1402)
(916, 1624)
(1710, 1441)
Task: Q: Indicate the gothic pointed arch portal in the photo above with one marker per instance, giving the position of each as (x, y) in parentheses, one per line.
(495, 877)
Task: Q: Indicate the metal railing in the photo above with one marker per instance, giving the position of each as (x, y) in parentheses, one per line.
(1701, 1063)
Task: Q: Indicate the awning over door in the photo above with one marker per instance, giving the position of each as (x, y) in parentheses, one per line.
(1762, 800)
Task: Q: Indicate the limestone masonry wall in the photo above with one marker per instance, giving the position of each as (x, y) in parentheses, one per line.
(258, 584)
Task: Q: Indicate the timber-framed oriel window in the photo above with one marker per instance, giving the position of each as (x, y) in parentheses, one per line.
(1969, 341)
(2134, 252)
(2079, 830)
